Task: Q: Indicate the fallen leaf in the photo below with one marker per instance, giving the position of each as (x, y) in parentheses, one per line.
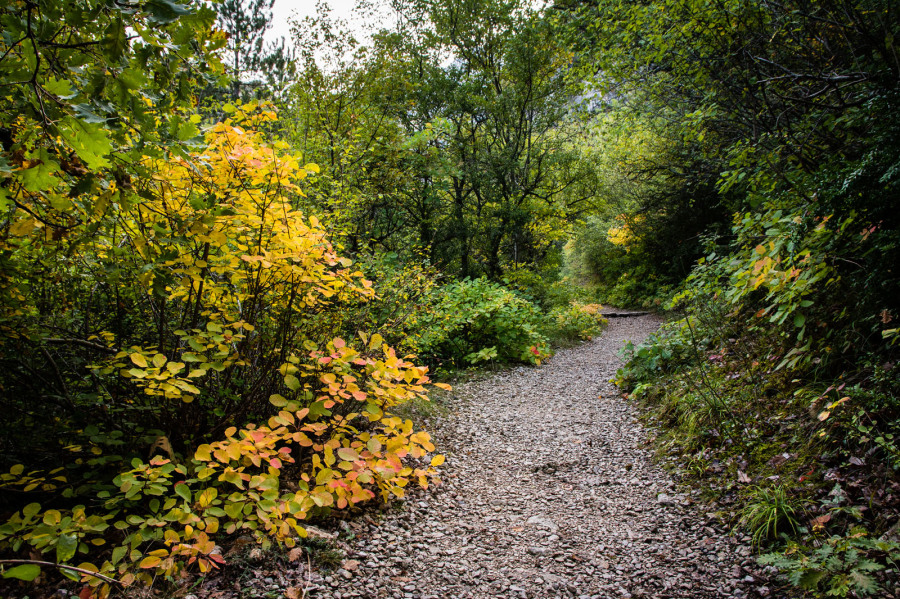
(295, 554)
(743, 478)
(820, 521)
(293, 593)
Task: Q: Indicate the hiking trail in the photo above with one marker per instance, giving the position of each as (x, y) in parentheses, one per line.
(549, 490)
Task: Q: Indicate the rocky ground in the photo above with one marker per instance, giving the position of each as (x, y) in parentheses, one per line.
(549, 491)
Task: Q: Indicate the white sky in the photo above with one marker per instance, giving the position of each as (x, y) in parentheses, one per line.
(285, 10)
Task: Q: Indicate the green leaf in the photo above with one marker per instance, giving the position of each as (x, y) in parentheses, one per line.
(86, 114)
(292, 382)
(115, 42)
(863, 583)
(66, 546)
(234, 510)
(186, 130)
(88, 140)
(26, 572)
(60, 87)
(810, 579)
(799, 320)
(183, 492)
(40, 176)
(317, 408)
(166, 11)
(133, 79)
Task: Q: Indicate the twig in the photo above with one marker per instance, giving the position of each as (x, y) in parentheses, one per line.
(62, 566)
(60, 379)
(81, 342)
(308, 576)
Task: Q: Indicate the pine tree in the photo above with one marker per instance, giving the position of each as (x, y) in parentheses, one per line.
(256, 68)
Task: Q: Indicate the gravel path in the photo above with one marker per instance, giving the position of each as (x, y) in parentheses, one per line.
(549, 491)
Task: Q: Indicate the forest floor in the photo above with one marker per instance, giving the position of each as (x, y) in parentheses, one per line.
(550, 489)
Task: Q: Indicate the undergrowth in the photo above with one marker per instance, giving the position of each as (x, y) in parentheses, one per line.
(805, 465)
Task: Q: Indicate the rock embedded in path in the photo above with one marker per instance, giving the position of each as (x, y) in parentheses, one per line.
(543, 522)
(549, 491)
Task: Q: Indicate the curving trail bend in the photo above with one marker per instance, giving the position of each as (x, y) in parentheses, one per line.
(549, 491)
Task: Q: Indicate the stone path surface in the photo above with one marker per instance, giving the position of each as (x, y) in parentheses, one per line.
(549, 491)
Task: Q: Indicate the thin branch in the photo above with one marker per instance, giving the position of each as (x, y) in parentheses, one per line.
(81, 342)
(61, 566)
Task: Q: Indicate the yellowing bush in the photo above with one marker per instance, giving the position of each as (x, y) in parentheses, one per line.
(223, 303)
(576, 321)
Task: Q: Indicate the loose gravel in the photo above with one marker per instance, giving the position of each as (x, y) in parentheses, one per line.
(549, 490)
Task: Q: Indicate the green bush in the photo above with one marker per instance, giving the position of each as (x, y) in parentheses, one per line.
(458, 320)
(840, 566)
(612, 259)
(546, 289)
(575, 322)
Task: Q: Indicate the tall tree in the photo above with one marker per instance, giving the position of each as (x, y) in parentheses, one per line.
(464, 115)
(256, 68)
(91, 88)
(514, 132)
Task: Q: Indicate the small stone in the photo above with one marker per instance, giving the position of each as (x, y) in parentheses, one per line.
(314, 532)
(543, 522)
(538, 551)
(663, 499)
(351, 565)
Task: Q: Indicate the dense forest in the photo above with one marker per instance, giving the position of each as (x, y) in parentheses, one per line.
(226, 263)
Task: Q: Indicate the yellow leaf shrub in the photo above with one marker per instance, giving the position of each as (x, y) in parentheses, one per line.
(240, 293)
(576, 321)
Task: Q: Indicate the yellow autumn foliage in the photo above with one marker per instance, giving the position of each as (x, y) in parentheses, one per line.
(234, 298)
